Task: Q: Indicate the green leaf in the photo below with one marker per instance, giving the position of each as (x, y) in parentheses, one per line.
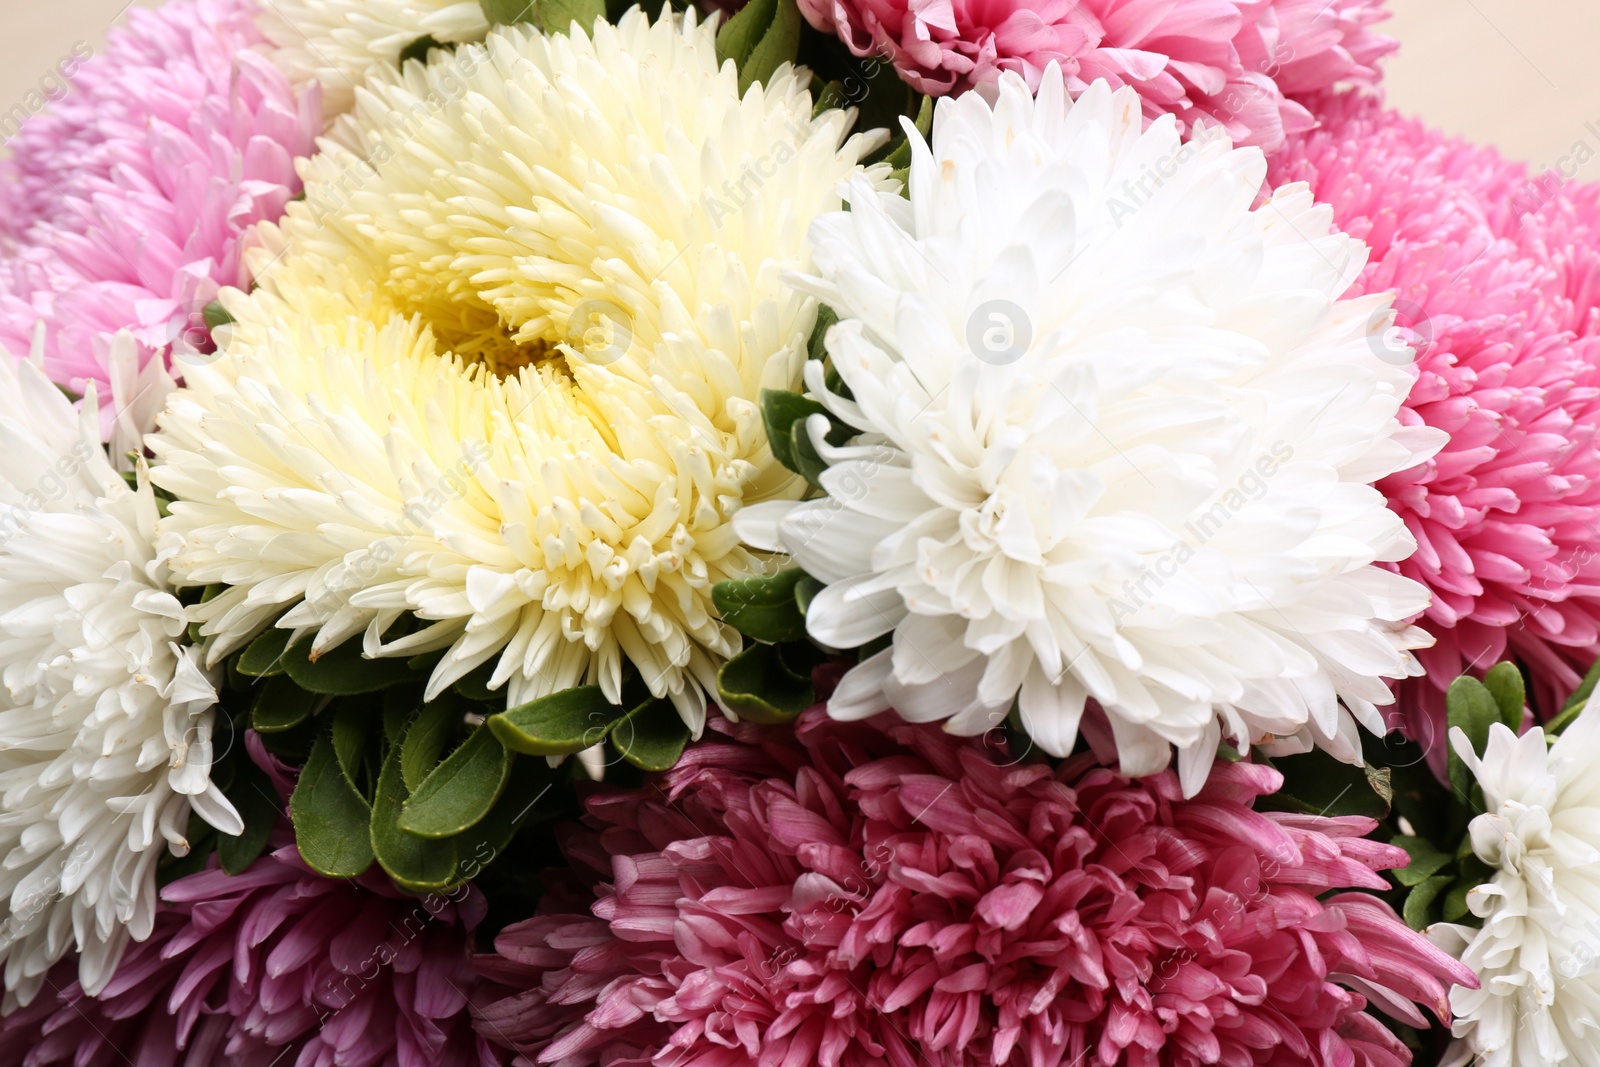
(763, 608)
(1419, 902)
(817, 347)
(415, 863)
(1504, 682)
(1471, 708)
(559, 15)
(420, 48)
(805, 591)
(754, 685)
(781, 410)
(808, 462)
(474, 685)
(343, 670)
(557, 725)
(763, 36)
(506, 12)
(1455, 902)
(900, 159)
(426, 738)
(461, 791)
(264, 657)
(215, 315)
(350, 728)
(1316, 783)
(1575, 703)
(330, 818)
(1426, 861)
(530, 797)
(652, 736)
(281, 705)
(254, 798)
(399, 706)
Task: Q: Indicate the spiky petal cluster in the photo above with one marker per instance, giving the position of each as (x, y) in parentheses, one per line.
(1537, 953)
(507, 379)
(125, 202)
(105, 714)
(1494, 280)
(273, 966)
(336, 44)
(1118, 431)
(868, 893)
(1237, 63)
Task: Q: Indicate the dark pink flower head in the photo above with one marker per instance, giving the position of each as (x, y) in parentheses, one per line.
(1495, 283)
(124, 203)
(1228, 62)
(274, 967)
(867, 893)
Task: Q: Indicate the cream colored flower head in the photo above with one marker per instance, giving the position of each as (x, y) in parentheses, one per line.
(338, 43)
(501, 367)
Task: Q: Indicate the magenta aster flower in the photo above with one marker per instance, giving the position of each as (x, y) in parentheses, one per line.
(124, 205)
(1233, 62)
(277, 966)
(866, 893)
(1495, 284)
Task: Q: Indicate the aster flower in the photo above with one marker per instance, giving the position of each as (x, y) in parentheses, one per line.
(106, 717)
(515, 395)
(126, 201)
(273, 966)
(1230, 62)
(1536, 955)
(1496, 299)
(335, 44)
(1113, 447)
(880, 892)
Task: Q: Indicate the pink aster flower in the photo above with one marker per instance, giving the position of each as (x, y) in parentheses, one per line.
(1229, 62)
(1496, 284)
(865, 893)
(276, 966)
(125, 203)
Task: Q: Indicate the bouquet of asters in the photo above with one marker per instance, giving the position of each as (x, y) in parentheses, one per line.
(976, 533)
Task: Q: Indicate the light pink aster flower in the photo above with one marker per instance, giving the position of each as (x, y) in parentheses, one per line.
(125, 202)
(1496, 289)
(867, 893)
(278, 966)
(1229, 62)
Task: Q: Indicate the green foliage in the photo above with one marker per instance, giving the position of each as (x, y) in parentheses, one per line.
(766, 608)
(330, 818)
(558, 725)
(1315, 783)
(769, 683)
(1574, 705)
(507, 12)
(785, 415)
(1434, 885)
(763, 36)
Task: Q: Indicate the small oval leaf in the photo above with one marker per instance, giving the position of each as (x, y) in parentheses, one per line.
(461, 790)
(652, 736)
(331, 820)
(557, 725)
(264, 657)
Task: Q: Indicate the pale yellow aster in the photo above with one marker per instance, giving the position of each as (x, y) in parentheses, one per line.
(336, 43)
(508, 380)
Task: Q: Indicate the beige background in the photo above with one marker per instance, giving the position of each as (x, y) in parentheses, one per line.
(1517, 73)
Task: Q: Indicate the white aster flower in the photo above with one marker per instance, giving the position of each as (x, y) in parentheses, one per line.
(337, 43)
(1537, 955)
(507, 380)
(1118, 440)
(105, 718)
